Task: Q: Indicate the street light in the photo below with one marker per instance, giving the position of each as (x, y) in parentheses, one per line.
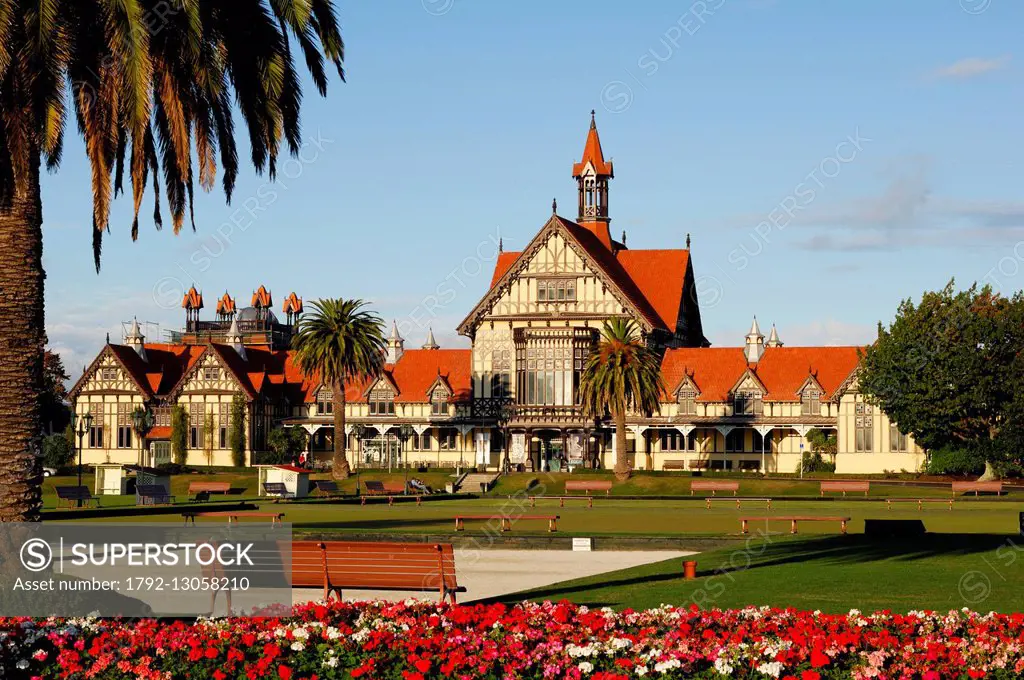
(84, 425)
(405, 432)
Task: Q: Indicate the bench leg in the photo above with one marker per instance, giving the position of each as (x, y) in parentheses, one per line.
(888, 504)
(792, 526)
(506, 524)
(843, 526)
(920, 506)
(362, 500)
(391, 501)
(590, 502)
(561, 502)
(419, 500)
(707, 503)
(950, 503)
(533, 501)
(743, 526)
(737, 503)
(551, 526)
(458, 524)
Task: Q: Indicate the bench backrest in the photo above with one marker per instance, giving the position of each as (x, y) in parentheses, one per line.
(587, 485)
(374, 486)
(150, 490)
(845, 486)
(372, 565)
(326, 485)
(394, 488)
(209, 487)
(713, 485)
(978, 486)
(73, 492)
(274, 487)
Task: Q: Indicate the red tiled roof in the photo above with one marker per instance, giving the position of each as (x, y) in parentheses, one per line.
(226, 305)
(661, 276)
(782, 370)
(262, 298)
(162, 432)
(592, 153)
(193, 299)
(163, 368)
(417, 370)
(653, 280)
(293, 304)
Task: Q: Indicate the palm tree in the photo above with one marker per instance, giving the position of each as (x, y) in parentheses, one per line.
(622, 374)
(339, 342)
(147, 81)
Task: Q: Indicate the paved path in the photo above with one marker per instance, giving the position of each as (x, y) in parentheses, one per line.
(488, 573)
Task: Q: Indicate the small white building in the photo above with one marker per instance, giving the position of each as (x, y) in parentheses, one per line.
(295, 479)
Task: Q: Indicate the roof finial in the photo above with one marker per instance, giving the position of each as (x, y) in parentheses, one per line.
(501, 245)
(687, 240)
(623, 237)
(592, 122)
(554, 206)
(108, 337)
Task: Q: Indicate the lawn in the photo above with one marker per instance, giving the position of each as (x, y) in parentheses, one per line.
(630, 517)
(831, 574)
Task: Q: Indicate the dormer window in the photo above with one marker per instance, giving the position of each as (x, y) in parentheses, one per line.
(382, 403)
(810, 402)
(108, 373)
(687, 399)
(211, 373)
(748, 403)
(439, 402)
(325, 402)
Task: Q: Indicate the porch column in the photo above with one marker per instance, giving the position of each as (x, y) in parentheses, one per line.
(725, 430)
(764, 430)
(638, 436)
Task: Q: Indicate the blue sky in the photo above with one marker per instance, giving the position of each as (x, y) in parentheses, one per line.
(829, 159)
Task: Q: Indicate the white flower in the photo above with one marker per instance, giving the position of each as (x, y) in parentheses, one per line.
(773, 669)
(298, 646)
(300, 633)
(585, 666)
(666, 666)
(640, 671)
(723, 666)
(331, 661)
(333, 633)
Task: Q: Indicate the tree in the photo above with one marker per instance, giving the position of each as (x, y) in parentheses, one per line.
(179, 434)
(208, 437)
(236, 436)
(57, 452)
(947, 371)
(620, 375)
(152, 82)
(53, 402)
(339, 341)
(822, 444)
(285, 444)
(142, 423)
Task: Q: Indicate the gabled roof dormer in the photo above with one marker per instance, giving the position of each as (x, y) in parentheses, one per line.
(749, 382)
(686, 384)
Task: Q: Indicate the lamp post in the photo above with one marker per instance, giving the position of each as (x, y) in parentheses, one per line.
(142, 423)
(506, 411)
(405, 432)
(84, 425)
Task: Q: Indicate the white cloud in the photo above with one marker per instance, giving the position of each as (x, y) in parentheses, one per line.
(971, 67)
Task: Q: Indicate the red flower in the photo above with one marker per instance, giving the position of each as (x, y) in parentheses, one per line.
(423, 665)
(810, 675)
(819, 658)
(284, 672)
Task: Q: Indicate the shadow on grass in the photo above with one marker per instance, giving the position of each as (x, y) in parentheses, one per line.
(762, 552)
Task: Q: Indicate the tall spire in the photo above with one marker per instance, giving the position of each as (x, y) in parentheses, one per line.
(755, 343)
(592, 174)
(136, 340)
(395, 345)
(234, 338)
(687, 240)
(773, 338)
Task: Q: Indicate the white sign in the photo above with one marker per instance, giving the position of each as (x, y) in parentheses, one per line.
(517, 454)
(582, 544)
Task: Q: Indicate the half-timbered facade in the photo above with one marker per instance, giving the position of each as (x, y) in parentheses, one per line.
(512, 399)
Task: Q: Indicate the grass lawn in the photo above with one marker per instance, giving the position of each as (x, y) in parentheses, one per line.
(833, 574)
(633, 517)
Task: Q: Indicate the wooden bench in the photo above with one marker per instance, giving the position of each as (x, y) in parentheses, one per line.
(277, 489)
(674, 465)
(793, 519)
(855, 487)
(374, 488)
(588, 486)
(713, 486)
(233, 516)
(506, 521)
(73, 494)
(920, 502)
(562, 499)
(987, 487)
(338, 565)
(327, 487)
(202, 490)
(766, 501)
(152, 494)
(699, 465)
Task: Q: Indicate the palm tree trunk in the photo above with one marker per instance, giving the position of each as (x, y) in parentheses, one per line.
(21, 351)
(340, 468)
(622, 466)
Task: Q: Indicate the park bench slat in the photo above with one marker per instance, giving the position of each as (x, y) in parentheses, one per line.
(714, 486)
(153, 492)
(844, 487)
(588, 486)
(335, 565)
(920, 502)
(73, 494)
(506, 520)
(793, 519)
(966, 487)
(562, 499)
(202, 490)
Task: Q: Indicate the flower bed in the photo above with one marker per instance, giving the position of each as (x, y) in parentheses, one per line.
(415, 641)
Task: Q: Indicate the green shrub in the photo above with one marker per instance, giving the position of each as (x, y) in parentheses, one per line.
(284, 444)
(955, 461)
(57, 451)
(815, 462)
(179, 435)
(236, 435)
